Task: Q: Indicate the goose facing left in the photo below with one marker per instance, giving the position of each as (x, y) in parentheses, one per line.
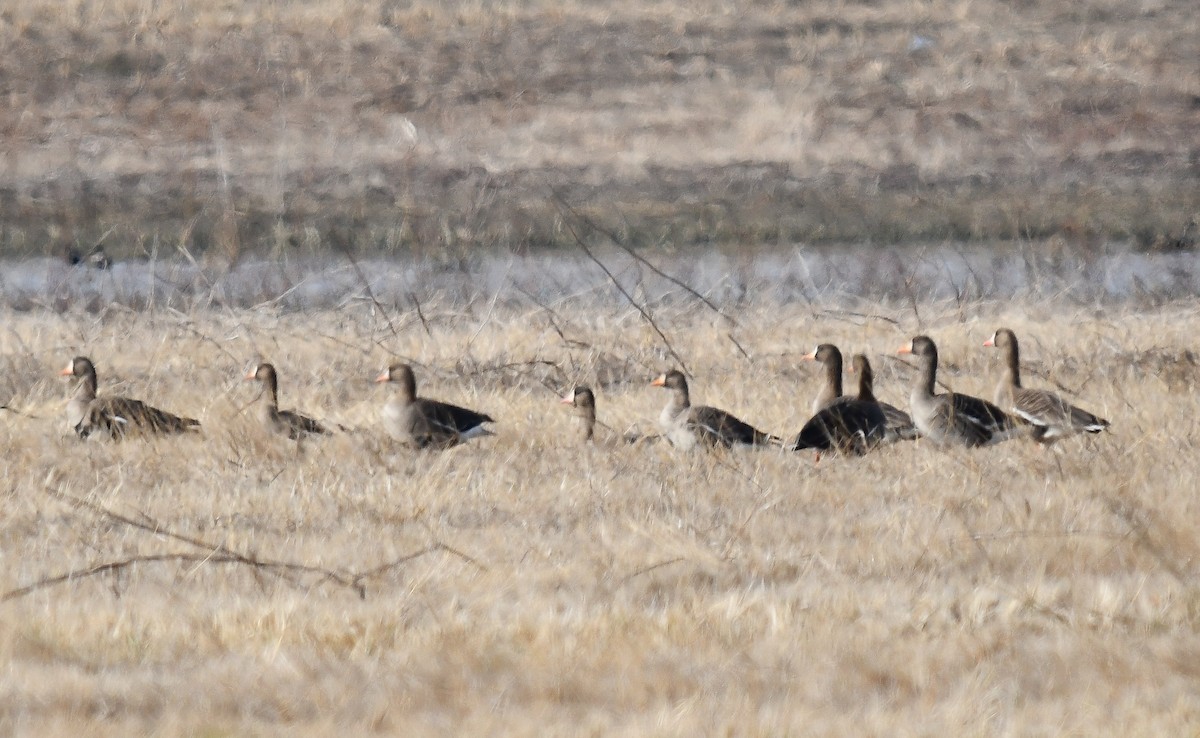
(424, 423)
(284, 422)
(952, 418)
(1050, 416)
(583, 401)
(116, 417)
(830, 359)
(685, 424)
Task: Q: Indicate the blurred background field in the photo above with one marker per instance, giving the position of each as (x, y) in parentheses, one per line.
(434, 128)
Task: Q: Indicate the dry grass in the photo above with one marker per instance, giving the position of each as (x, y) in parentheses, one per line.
(386, 125)
(607, 590)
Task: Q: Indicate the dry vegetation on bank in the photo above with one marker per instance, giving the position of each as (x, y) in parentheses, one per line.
(526, 585)
(432, 126)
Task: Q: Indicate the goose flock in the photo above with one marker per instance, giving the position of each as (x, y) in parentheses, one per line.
(847, 424)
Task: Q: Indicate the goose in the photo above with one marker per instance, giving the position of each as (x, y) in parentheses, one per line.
(284, 422)
(584, 404)
(424, 423)
(850, 426)
(952, 418)
(114, 416)
(899, 425)
(685, 424)
(1050, 416)
(830, 358)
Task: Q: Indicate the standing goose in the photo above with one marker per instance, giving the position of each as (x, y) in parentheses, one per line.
(1051, 416)
(952, 418)
(114, 416)
(685, 424)
(830, 358)
(899, 425)
(284, 422)
(424, 423)
(584, 404)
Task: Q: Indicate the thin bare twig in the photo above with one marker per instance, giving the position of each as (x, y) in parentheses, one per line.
(616, 283)
(607, 233)
(648, 569)
(216, 553)
(218, 549)
(113, 566)
(367, 286)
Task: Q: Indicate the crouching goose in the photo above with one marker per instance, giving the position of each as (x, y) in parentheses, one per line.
(899, 425)
(1050, 416)
(114, 416)
(685, 424)
(850, 425)
(423, 423)
(284, 422)
(952, 418)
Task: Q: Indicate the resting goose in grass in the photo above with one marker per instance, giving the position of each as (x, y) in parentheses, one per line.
(283, 422)
(116, 417)
(1050, 416)
(685, 425)
(423, 423)
(899, 425)
(849, 426)
(951, 418)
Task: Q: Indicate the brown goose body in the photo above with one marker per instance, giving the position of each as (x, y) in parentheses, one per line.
(282, 422)
(830, 359)
(849, 425)
(952, 418)
(1050, 416)
(583, 402)
(686, 425)
(423, 423)
(899, 426)
(115, 417)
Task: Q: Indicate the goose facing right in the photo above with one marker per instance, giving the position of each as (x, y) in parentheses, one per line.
(685, 425)
(423, 423)
(1051, 417)
(116, 417)
(952, 418)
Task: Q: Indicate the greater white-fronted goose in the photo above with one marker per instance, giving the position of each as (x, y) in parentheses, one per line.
(117, 417)
(830, 358)
(685, 424)
(423, 423)
(584, 404)
(899, 425)
(1050, 416)
(849, 425)
(951, 418)
(284, 422)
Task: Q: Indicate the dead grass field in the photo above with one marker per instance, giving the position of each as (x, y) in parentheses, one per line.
(526, 585)
(398, 125)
